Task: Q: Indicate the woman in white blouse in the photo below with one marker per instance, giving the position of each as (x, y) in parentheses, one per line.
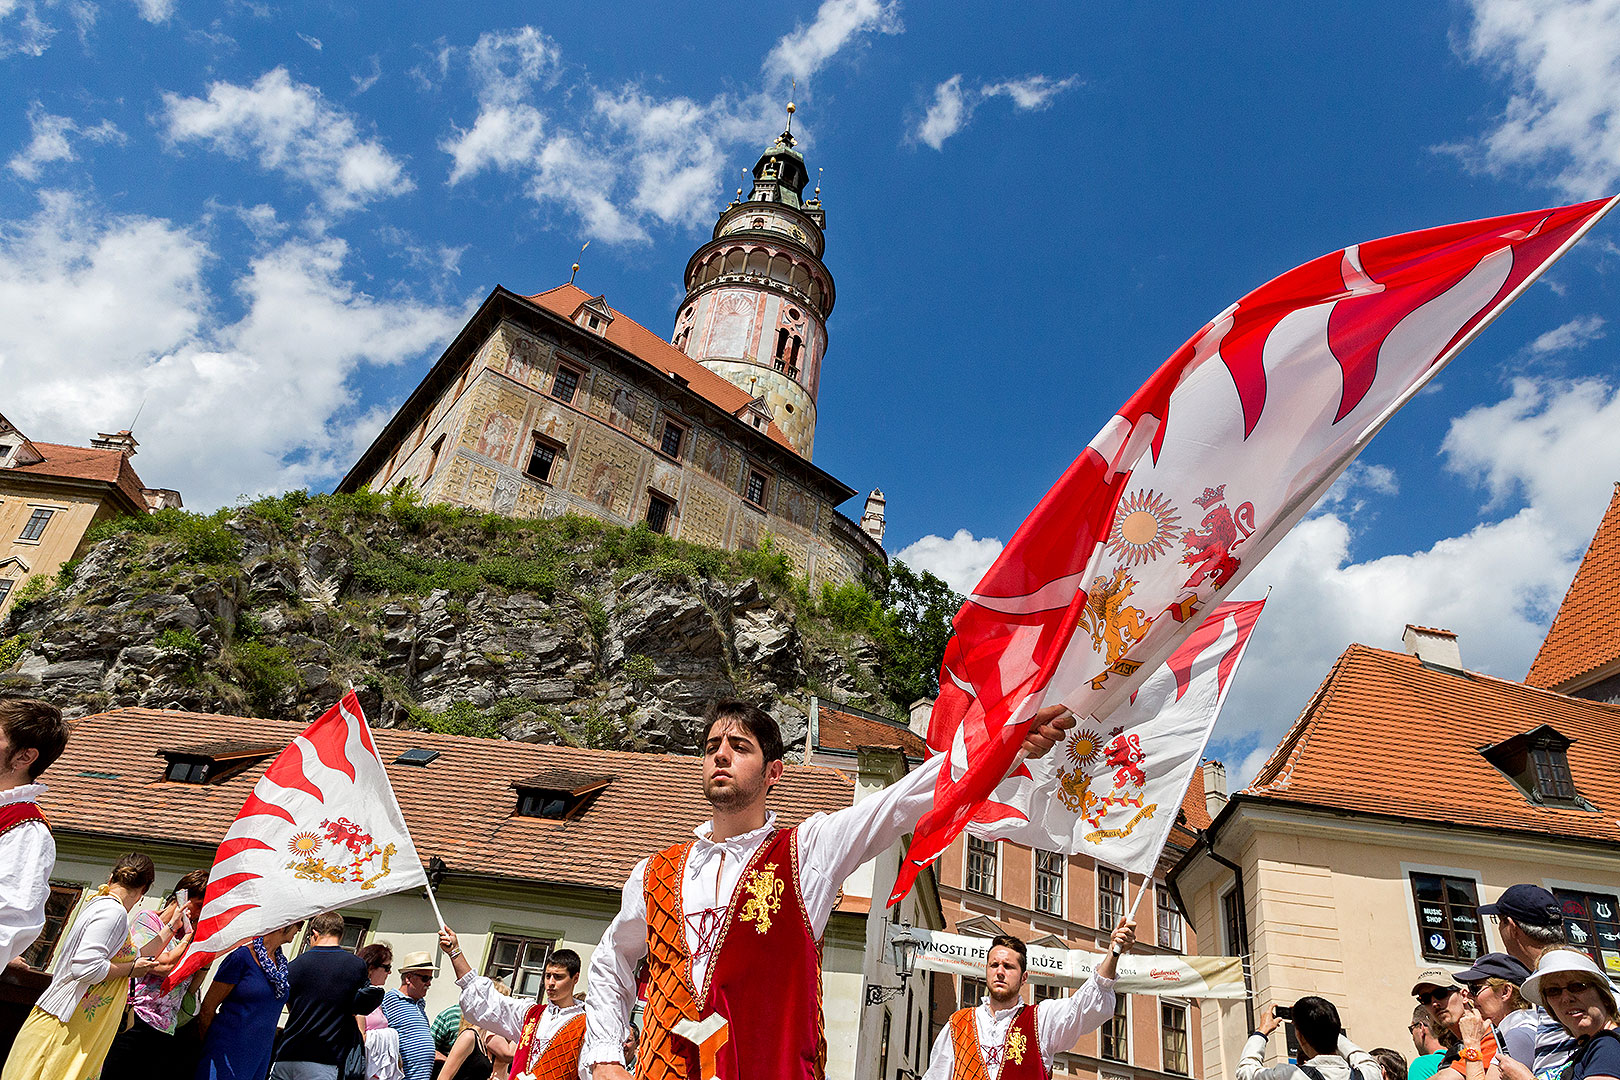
(70, 1028)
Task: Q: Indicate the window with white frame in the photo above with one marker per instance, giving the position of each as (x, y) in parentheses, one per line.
(1170, 935)
(1110, 899)
(1049, 881)
(981, 866)
(1173, 1038)
(1115, 1040)
(35, 528)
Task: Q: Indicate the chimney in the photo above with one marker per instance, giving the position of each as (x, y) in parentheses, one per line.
(122, 441)
(872, 522)
(1214, 787)
(922, 711)
(1434, 647)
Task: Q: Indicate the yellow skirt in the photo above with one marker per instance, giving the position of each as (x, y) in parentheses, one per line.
(47, 1049)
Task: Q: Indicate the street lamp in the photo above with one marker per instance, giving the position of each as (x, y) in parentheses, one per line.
(903, 951)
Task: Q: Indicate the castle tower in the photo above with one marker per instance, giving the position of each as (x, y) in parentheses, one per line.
(758, 296)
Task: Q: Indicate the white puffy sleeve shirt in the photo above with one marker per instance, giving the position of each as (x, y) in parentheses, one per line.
(1059, 1023)
(27, 857)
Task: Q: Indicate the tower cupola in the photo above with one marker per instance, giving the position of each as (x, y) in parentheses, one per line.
(758, 294)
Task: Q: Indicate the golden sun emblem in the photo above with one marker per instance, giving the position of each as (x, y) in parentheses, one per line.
(1084, 746)
(304, 843)
(1144, 528)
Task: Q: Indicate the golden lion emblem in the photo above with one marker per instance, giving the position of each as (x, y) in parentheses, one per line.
(764, 891)
(1016, 1045)
(1114, 626)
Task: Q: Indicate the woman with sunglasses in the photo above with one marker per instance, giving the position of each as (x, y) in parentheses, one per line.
(382, 1041)
(1570, 986)
(1493, 985)
(1471, 1052)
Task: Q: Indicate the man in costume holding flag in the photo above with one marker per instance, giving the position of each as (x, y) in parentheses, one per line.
(548, 1033)
(730, 923)
(1001, 1038)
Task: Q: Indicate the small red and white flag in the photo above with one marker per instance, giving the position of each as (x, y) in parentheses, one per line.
(321, 830)
(1113, 789)
(1200, 474)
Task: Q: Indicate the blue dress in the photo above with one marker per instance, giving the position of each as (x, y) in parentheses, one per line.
(242, 1037)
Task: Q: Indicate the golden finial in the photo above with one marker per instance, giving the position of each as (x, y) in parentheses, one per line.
(582, 248)
(818, 182)
(792, 108)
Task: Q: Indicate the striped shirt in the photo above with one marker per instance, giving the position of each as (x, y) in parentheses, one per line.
(409, 1017)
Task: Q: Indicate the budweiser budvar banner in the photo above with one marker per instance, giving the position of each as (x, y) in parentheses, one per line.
(1169, 976)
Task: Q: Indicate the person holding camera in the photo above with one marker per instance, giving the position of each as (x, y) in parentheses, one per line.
(1324, 1051)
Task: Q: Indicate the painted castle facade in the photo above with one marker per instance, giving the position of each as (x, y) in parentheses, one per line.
(558, 403)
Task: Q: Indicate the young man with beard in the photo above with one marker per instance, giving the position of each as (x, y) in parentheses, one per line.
(1001, 1038)
(730, 923)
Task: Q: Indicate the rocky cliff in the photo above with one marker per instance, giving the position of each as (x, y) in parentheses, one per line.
(565, 630)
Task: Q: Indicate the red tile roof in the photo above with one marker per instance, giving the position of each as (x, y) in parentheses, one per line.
(1585, 635)
(460, 807)
(641, 342)
(88, 463)
(1386, 735)
(1193, 806)
(839, 730)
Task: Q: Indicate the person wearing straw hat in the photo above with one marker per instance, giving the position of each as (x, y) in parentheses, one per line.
(407, 1014)
(1469, 1033)
(1578, 994)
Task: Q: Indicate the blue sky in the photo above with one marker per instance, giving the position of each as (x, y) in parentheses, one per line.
(265, 220)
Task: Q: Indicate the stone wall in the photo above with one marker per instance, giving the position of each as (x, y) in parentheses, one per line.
(476, 441)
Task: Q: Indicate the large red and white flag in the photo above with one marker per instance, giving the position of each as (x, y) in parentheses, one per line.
(1200, 474)
(321, 830)
(1113, 789)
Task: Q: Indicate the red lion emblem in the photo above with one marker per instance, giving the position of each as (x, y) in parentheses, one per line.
(1209, 551)
(346, 833)
(1125, 755)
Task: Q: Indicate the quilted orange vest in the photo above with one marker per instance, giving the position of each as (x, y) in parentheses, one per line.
(558, 1059)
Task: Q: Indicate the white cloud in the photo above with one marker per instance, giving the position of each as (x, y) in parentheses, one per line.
(1349, 491)
(507, 63)
(310, 40)
(1032, 92)
(1575, 334)
(946, 114)
(503, 137)
(803, 52)
(155, 11)
(292, 130)
(51, 141)
(268, 396)
(953, 105)
(635, 161)
(1497, 585)
(1562, 59)
(960, 561)
(365, 82)
(22, 29)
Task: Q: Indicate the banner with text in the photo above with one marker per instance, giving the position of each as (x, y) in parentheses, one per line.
(1166, 976)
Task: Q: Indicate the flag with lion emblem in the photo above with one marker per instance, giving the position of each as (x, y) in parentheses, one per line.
(1199, 475)
(321, 830)
(1114, 787)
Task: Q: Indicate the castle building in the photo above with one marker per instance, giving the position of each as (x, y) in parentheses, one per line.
(559, 403)
(51, 495)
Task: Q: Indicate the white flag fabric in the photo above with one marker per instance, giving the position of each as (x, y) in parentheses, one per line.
(1112, 791)
(321, 830)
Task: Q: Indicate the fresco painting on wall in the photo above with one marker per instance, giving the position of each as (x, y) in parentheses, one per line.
(716, 459)
(499, 432)
(522, 360)
(624, 408)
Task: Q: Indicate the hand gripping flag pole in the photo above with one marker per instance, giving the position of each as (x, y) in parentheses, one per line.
(1219, 454)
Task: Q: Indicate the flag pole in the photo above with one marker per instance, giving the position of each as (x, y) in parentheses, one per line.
(433, 900)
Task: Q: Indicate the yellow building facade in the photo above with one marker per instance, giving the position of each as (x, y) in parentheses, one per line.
(51, 495)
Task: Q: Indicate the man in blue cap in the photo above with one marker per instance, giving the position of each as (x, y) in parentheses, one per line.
(1531, 922)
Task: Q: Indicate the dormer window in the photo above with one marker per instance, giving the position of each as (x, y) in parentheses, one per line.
(558, 794)
(212, 763)
(1537, 762)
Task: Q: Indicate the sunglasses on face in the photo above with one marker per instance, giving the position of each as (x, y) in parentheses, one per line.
(424, 979)
(1415, 1025)
(1437, 996)
(1475, 987)
(385, 967)
(1577, 987)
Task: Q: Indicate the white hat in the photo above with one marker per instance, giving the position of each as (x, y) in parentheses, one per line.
(1554, 961)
